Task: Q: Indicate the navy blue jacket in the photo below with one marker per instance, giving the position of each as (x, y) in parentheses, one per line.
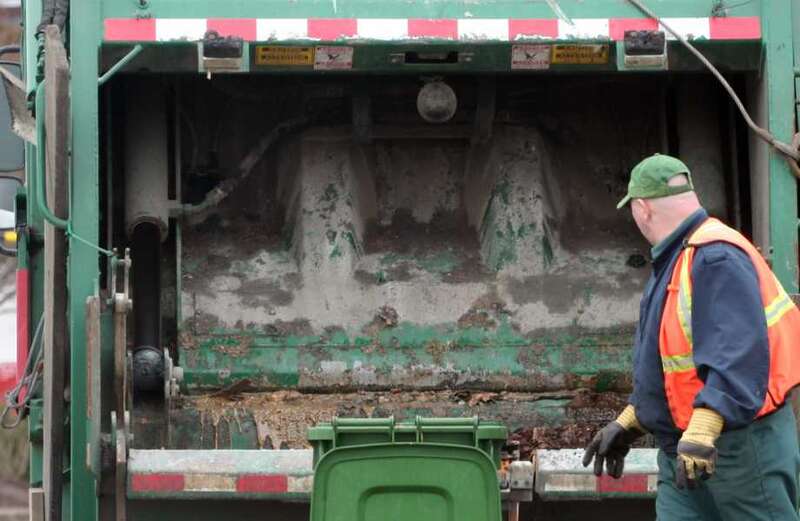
(729, 330)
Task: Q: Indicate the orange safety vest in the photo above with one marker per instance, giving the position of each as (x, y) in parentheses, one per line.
(681, 382)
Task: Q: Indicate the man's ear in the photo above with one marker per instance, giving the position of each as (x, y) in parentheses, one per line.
(643, 207)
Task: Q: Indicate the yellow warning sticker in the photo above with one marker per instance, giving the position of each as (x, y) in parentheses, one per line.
(580, 54)
(282, 55)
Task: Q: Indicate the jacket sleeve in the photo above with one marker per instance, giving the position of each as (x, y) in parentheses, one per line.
(729, 331)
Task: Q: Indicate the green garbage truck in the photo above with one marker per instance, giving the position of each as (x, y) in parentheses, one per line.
(361, 259)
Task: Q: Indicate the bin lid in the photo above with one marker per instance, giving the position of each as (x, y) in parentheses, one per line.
(405, 482)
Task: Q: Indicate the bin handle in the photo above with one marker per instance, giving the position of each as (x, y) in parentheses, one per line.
(354, 425)
(446, 425)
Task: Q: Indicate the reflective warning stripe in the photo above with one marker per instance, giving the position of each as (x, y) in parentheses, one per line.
(777, 308)
(589, 485)
(685, 298)
(220, 474)
(162, 482)
(677, 363)
(165, 483)
(681, 381)
(773, 312)
(561, 475)
(386, 29)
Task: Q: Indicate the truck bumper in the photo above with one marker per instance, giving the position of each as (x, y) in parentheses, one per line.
(287, 475)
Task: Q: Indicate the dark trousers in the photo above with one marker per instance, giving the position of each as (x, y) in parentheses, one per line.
(756, 477)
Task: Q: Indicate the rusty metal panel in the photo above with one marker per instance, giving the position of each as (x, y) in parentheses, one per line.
(94, 385)
(56, 346)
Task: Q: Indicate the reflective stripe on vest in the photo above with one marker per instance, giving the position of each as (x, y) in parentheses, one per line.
(681, 382)
(781, 305)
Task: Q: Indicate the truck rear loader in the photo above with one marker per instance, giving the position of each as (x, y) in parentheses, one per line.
(241, 220)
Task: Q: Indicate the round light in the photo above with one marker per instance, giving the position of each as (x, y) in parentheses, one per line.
(437, 102)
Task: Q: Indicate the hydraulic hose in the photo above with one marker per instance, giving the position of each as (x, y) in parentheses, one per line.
(245, 167)
(61, 14)
(790, 152)
(41, 145)
(48, 13)
(148, 364)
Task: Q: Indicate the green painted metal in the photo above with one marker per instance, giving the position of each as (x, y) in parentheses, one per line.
(34, 216)
(36, 437)
(777, 29)
(41, 201)
(418, 481)
(31, 15)
(82, 269)
(796, 30)
(414, 9)
(374, 57)
(501, 359)
(120, 64)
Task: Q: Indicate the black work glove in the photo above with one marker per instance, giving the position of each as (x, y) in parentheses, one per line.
(612, 443)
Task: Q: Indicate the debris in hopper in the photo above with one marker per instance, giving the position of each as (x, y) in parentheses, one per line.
(386, 317)
(481, 398)
(588, 412)
(585, 399)
(234, 390)
(531, 439)
(538, 420)
(186, 340)
(476, 318)
(575, 435)
(237, 345)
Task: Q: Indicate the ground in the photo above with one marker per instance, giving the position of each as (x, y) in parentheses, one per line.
(13, 472)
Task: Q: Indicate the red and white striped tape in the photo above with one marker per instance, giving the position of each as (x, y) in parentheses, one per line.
(219, 473)
(170, 483)
(388, 29)
(560, 474)
(588, 485)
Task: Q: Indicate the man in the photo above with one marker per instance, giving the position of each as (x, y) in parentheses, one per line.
(715, 356)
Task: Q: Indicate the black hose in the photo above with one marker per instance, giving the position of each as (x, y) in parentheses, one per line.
(148, 365)
(246, 165)
(6, 49)
(54, 12)
(61, 14)
(48, 13)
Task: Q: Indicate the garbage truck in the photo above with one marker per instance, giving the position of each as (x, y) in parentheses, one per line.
(252, 234)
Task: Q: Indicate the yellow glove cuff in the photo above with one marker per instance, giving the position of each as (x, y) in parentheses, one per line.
(627, 419)
(704, 427)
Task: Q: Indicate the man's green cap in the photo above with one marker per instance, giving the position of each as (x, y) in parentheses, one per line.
(650, 179)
